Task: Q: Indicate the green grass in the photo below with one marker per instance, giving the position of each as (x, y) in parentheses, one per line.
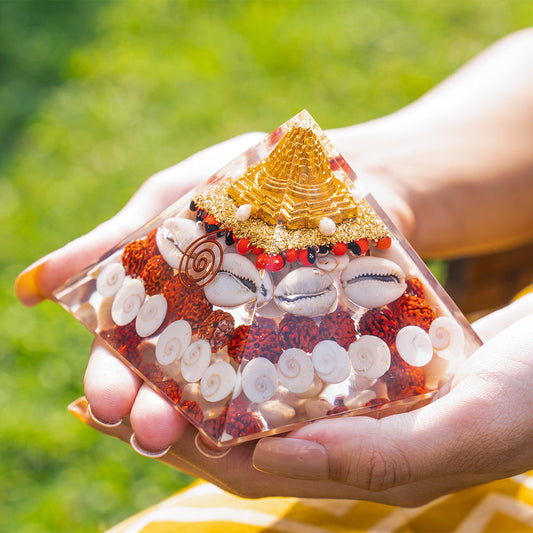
(97, 95)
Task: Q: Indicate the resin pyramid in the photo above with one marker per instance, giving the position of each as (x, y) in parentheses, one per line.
(273, 295)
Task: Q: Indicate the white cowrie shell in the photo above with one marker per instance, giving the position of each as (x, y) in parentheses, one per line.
(174, 237)
(306, 291)
(372, 281)
(237, 282)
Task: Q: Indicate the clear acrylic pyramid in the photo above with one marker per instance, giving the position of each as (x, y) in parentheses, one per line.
(276, 293)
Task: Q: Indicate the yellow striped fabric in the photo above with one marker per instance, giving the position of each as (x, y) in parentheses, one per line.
(504, 506)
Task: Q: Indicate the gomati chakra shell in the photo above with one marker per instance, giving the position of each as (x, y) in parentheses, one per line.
(414, 345)
(195, 361)
(447, 337)
(128, 301)
(295, 370)
(331, 362)
(259, 380)
(110, 279)
(370, 356)
(217, 382)
(172, 343)
(151, 315)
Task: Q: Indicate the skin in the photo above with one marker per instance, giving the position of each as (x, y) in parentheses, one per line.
(454, 170)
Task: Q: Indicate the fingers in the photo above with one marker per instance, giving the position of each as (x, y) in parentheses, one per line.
(39, 280)
(156, 423)
(110, 387)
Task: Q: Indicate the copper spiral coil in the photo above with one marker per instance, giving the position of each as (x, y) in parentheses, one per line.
(200, 263)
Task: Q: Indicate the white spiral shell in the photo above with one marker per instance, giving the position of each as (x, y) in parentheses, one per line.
(151, 315)
(447, 337)
(331, 362)
(173, 342)
(217, 382)
(259, 380)
(195, 361)
(414, 345)
(127, 302)
(295, 370)
(110, 279)
(370, 356)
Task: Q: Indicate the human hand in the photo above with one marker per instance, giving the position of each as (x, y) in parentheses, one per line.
(477, 432)
(114, 392)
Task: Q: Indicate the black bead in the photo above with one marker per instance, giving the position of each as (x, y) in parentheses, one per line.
(200, 215)
(354, 247)
(193, 206)
(210, 228)
(311, 255)
(324, 248)
(230, 239)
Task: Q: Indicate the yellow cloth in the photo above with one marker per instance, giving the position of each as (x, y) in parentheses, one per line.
(504, 506)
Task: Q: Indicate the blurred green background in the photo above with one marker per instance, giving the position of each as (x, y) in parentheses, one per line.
(97, 95)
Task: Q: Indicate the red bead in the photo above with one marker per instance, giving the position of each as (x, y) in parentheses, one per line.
(261, 261)
(363, 244)
(302, 256)
(210, 220)
(274, 263)
(340, 248)
(243, 246)
(257, 251)
(291, 255)
(384, 243)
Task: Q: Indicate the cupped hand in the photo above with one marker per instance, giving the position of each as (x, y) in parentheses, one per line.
(478, 432)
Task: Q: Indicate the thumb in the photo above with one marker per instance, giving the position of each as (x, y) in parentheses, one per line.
(440, 439)
(39, 280)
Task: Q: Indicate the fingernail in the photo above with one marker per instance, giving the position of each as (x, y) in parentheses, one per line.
(209, 451)
(101, 422)
(144, 452)
(294, 458)
(27, 285)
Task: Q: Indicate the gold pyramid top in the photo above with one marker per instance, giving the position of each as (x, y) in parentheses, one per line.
(294, 184)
